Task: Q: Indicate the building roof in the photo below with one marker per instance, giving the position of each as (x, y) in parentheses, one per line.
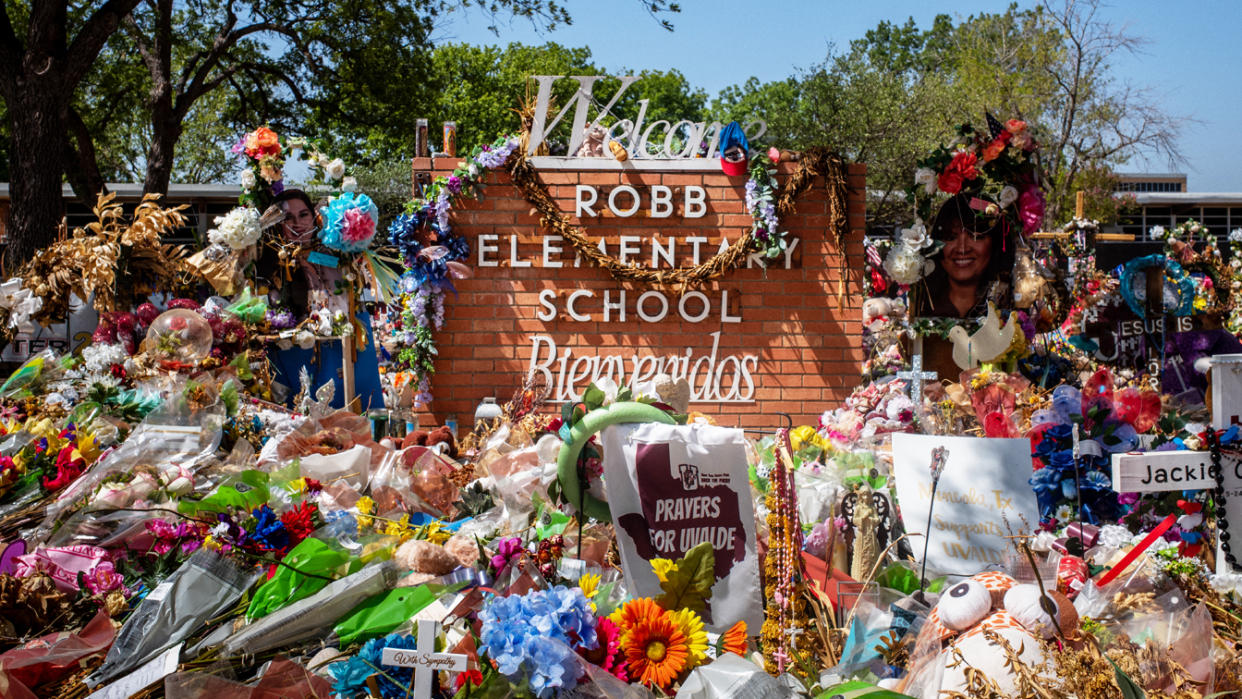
(1151, 175)
(1186, 198)
(128, 190)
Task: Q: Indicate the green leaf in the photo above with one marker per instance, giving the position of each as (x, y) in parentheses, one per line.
(689, 585)
(1129, 689)
(593, 397)
(900, 577)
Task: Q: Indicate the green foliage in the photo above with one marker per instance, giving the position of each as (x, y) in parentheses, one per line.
(898, 93)
(688, 585)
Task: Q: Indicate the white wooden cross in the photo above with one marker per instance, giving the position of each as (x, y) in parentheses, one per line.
(916, 376)
(425, 661)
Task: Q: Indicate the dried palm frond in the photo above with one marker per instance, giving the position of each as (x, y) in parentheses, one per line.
(108, 255)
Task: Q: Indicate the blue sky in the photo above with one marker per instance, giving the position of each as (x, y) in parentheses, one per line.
(1191, 61)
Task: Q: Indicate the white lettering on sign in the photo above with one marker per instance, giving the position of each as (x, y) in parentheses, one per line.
(1157, 471)
(639, 140)
(651, 306)
(662, 251)
(712, 378)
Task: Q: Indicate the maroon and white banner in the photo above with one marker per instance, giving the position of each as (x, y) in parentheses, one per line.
(671, 487)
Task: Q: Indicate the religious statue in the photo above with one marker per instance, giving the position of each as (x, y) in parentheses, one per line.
(866, 521)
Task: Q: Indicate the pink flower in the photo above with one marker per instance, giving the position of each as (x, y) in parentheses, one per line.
(358, 226)
(103, 579)
(1031, 209)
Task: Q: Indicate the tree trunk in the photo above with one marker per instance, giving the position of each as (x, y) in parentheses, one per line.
(166, 131)
(37, 121)
(81, 165)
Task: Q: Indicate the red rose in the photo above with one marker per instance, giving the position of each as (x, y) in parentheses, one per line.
(949, 182)
(961, 168)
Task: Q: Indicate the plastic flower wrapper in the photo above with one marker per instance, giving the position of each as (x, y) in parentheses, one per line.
(313, 615)
(204, 587)
(171, 443)
(383, 613)
(319, 558)
(281, 678)
(52, 657)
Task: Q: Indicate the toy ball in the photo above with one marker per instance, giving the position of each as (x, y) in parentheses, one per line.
(179, 335)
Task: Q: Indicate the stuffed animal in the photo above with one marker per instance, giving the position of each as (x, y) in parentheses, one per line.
(592, 142)
(967, 621)
(440, 435)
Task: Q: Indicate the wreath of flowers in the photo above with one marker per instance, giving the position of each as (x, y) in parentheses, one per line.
(994, 166)
(1174, 274)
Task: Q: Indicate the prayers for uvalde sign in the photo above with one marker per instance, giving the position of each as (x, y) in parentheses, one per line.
(672, 487)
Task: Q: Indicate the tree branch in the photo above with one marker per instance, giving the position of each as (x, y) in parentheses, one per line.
(92, 37)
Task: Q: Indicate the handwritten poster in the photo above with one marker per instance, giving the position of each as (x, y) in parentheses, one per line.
(984, 484)
(671, 487)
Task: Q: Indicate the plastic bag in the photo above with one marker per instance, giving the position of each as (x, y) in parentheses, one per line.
(312, 615)
(204, 587)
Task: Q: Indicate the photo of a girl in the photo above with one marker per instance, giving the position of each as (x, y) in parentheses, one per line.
(973, 266)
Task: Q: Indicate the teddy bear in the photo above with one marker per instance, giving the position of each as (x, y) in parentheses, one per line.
(440, 435)
(965, 629)
(592, 142)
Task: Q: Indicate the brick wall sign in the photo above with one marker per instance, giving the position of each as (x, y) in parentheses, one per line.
(779, 335)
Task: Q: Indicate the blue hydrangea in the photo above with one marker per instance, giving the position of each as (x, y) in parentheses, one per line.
(516, 631)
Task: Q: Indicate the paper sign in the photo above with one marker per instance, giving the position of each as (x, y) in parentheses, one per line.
(1155, 471)
(1226, 390)
(415, 658)
(984, 484)
(146, 675)
(671, 487)
(322, 259)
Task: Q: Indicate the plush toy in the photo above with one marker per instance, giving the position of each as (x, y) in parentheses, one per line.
(440, 435)
(592, 142)
(959, 634)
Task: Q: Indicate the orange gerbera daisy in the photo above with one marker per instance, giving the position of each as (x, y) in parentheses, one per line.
(734, 640)
(655, 650)
(629, 614)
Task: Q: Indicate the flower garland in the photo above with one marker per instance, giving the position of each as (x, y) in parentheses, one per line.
(1234, 322)
(764, 235)
(431, 266)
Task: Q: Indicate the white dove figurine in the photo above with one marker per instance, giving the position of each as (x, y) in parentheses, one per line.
(990, 341)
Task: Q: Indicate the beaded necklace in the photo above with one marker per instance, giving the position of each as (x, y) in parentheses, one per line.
(1222, 522)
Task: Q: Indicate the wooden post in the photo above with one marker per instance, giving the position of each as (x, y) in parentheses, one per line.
(1080, 204)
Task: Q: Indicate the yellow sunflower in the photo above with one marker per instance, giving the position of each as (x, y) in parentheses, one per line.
(691, 626)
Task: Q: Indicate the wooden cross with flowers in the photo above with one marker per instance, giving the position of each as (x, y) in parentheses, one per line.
(425, 661)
